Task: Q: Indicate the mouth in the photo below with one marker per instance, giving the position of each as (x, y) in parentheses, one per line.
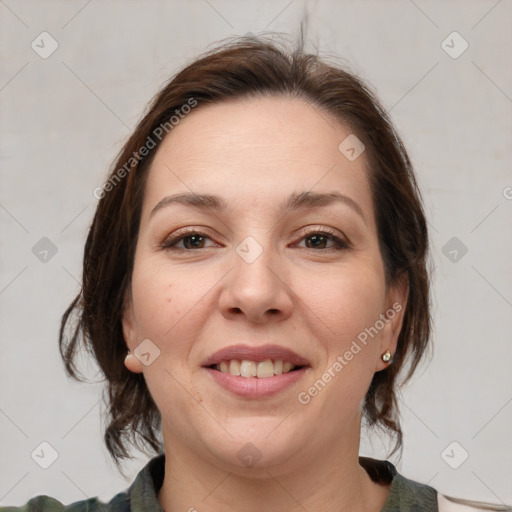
(256, 372)
(261, 370)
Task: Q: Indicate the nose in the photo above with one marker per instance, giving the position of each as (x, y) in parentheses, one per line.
(257, 291)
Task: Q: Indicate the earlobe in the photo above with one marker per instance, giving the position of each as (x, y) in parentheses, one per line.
(132, 363)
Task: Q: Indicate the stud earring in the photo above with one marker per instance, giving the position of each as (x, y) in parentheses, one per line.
(386, 357)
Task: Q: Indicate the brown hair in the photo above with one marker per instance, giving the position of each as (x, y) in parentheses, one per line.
(243, 68)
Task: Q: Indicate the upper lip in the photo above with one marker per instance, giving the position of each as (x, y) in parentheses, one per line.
(261, 353)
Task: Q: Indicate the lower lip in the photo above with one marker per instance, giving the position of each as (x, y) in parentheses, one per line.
(252, 387)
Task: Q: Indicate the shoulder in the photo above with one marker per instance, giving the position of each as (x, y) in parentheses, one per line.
(404, 494)
(408, 495)
(43, 503)
(141, 496)
(450, 504)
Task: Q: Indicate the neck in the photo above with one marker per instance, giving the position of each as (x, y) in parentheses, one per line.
(330, 481)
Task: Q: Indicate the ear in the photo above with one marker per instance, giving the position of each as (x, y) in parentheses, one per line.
(130, 336)
(392, 317)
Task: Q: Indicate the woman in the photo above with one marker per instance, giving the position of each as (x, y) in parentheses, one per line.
(255, 281)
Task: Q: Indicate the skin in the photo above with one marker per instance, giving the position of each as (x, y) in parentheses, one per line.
(312, 298)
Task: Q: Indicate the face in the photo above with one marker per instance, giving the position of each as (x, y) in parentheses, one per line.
(279, 277)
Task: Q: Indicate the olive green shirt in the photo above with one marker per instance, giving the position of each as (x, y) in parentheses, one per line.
(404, 496)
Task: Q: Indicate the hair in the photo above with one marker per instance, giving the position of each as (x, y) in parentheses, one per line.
(244, 68)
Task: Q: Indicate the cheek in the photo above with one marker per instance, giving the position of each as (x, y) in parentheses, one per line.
(163, 300)
(346, 306)
(345, 303)
(164, 297)
(154, 300)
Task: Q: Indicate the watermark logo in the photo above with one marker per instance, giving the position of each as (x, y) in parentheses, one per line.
(147, 352)
(44, 250)
(249, 455)
(44, 455)
(351, 147)
(44, 45)
(249, 249)
(454, 45)
(454, 249)
(454, 455)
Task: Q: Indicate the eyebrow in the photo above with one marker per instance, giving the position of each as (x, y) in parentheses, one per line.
(294, 201)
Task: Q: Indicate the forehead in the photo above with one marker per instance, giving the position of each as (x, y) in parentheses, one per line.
(257, 150)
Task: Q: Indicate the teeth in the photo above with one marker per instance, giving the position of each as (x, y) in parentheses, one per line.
(234, 367)
(262, 369)
(265, 369)
(248, 369)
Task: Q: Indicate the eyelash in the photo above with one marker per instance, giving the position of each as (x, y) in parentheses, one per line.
(169, 244)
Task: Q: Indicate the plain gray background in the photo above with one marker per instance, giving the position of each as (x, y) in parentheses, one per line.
(65, 116)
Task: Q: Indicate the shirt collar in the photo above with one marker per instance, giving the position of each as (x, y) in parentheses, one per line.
(403, 494)
(143, 492)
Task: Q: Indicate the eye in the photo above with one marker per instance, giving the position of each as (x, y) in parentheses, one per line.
(194, 239)
(318, 238)
(186, 240)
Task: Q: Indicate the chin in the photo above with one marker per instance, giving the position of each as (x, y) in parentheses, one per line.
(256, 445)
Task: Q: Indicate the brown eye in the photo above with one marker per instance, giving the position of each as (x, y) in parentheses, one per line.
(195, 241)
(186, 241)
(317, 241)
(320, 238)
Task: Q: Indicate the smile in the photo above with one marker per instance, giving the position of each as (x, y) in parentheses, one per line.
(255, 372)
(260, 370)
